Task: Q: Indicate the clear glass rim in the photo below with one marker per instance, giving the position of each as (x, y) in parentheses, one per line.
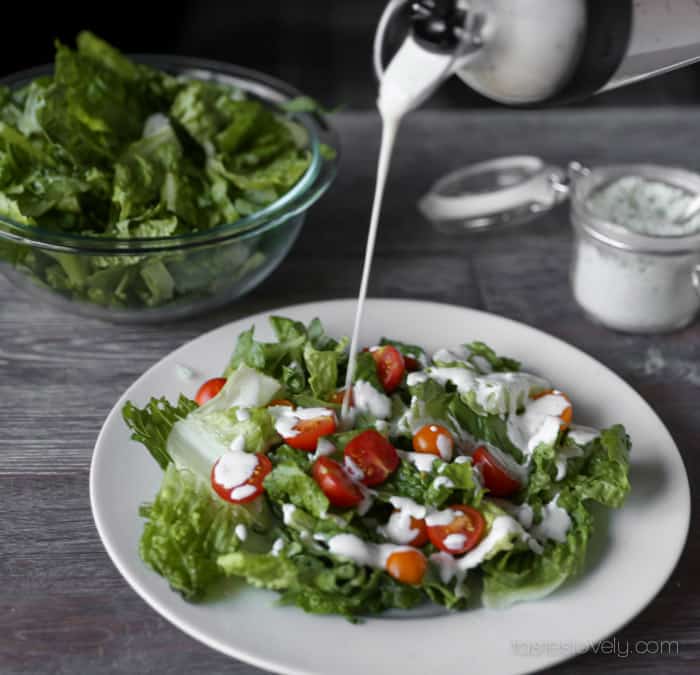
(617, 236)
(315, 181)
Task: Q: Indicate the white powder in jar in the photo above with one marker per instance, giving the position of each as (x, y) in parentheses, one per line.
(638, 292)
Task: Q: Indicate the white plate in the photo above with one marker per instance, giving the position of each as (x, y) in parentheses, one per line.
(630, 558)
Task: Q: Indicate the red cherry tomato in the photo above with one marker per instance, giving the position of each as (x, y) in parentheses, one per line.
(496, 478)
(407, 566)
(390, 366)
(310, 431)
(421, 539)
(335, 483)
(434, 440)
(468, 523)
(568, 412)
(338, 396)
(209, 389)
(411, 364)
(374, 455)
(280, 402)
(255, 481)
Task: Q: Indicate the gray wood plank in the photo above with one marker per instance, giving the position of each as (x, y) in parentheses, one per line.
(63, 606)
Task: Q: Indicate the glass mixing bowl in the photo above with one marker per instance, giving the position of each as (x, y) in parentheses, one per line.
(200, 271)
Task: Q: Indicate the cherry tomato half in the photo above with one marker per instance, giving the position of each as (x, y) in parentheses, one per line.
(338, 396)
(421, 539)
(434, 440)
(390, 366)
(280, 402)
(309, 431)
(335, 483)
(568, 412)
(411, 363)
(496, 478)
(407, 566)
(209, 389)
(374, 455)
(468, 524)
(255, 480)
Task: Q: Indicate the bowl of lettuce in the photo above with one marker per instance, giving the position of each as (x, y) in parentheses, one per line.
(148, 188)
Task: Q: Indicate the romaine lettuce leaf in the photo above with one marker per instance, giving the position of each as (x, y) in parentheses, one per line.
(444, 482)
(288, 483)
(245, 387)
(366, 370)
(489, 428)
(600, 474)
(258, 429)
(496, 362)
(152, 424)
(604, 475)
(187, 529)
(196, 442)
(322, 367)
(79, 154)
(519, 574)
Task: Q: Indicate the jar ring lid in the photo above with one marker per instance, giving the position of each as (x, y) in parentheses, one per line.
(503, 191)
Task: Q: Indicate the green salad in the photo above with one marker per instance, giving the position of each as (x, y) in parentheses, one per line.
(109, 148)
(456, 479)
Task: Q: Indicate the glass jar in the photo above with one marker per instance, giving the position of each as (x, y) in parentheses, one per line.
(625, 280)
(628, 281)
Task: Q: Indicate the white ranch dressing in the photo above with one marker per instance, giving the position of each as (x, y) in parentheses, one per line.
(417, 377)
(413, 74)
(237, 444)
(235, 468)
(242, 414)
(555, 522)
(582, 435)
(390, 126)
(367, 399)
(445, 445)
(398, 528)
(288, 513)
(562, 458)
(287, 418)
(323, 448)
(243, 491)
(367, 499)
(423, 461)
(363, 552)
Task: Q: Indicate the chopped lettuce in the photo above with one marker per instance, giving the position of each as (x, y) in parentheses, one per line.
(519, 574)
(186, 531)
(533, 541)
(152, 424)
(302, 356)
(366, 370)
(106, 147)
(288, 483)
(323, 370)
(197, 441)
(600, 474)
(444, 482)
(604, 477)
(497, 363)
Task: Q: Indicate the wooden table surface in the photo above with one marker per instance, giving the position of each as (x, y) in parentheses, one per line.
(63, 606)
